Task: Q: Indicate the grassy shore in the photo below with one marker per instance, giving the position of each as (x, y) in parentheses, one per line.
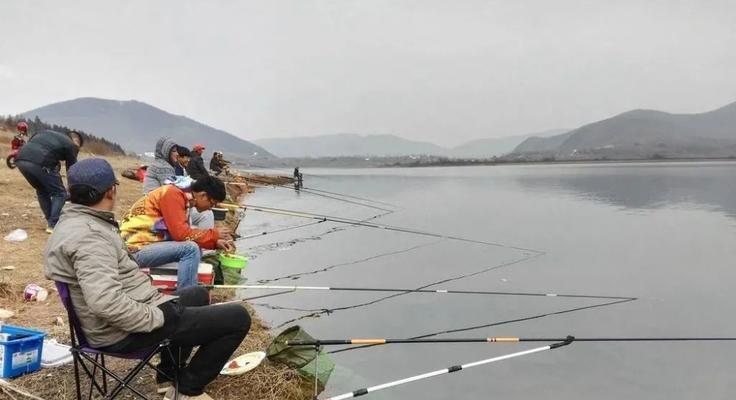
(20, 210)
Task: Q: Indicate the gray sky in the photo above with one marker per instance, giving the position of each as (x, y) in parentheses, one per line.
(443, 71)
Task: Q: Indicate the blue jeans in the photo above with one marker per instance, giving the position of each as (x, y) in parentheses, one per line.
(49, 189)
(187, 254)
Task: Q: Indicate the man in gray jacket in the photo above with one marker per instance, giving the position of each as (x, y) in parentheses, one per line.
(163, 166)
(118, 308)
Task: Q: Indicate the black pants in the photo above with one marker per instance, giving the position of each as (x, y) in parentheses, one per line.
(190, 321)
(49, 189)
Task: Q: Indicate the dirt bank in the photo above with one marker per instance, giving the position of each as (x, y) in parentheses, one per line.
(20, 210)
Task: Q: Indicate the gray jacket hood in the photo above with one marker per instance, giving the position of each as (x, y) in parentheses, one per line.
(161, 168)
(164, 147)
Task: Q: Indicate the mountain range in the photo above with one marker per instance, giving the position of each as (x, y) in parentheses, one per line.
(136, 126)
(351, 145)
(636, 134)
(643, 134)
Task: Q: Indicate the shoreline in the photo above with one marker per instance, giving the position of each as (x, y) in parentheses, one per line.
(20, 210)
(490, 163)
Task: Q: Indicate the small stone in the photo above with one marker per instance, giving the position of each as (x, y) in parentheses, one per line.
(8, 268)
(5, 214)
(59, 321)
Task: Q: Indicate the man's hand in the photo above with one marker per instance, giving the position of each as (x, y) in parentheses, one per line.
(225, 245)
(225, 233)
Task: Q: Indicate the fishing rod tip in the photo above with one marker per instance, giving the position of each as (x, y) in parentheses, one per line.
(568, 340)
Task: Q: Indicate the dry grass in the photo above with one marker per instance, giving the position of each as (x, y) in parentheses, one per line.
(20, 210)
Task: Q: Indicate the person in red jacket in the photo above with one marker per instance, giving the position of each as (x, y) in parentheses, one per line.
(157, 230)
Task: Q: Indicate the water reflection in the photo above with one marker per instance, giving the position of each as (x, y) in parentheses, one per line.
(699, 185)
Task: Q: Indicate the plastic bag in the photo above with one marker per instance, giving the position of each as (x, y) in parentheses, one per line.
(17, 235)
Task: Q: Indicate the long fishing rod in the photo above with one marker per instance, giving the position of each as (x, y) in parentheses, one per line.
(355, 222)
(315, 193)
(380, 341)
(339, 199)
(407, 290)
(454, 368)
(499, 323)
(324, 193)
(348, 196)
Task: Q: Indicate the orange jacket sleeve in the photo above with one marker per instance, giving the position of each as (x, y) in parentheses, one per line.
(173, 205)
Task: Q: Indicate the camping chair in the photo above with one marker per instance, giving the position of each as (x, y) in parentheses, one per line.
(91, 359)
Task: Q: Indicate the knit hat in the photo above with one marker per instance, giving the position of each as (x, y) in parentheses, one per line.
(96, 173)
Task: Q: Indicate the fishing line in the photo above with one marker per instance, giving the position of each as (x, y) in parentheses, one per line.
(264, 233)
(314, 237)
(364, 223)
(328, 268)
(317, 312)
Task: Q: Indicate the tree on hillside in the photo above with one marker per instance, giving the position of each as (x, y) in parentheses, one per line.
(92, 143)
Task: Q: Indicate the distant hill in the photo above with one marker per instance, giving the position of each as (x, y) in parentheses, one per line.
(644, 134)
(490, 147)
(346, 144)
(136, 126)
(539, 144)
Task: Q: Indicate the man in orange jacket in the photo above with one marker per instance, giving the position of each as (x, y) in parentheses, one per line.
(157, 230)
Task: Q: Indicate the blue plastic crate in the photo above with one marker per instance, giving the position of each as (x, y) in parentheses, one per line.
(21, 353)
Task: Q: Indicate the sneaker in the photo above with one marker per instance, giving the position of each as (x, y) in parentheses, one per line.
(163, 387)
(49, 230)
(170, 396)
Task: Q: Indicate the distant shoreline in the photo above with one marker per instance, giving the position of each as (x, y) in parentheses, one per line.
(312, 163)
(562, 162)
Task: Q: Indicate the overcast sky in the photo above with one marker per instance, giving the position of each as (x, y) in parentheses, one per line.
(443, 71)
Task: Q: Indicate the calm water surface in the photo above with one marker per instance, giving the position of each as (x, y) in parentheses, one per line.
(663, 233)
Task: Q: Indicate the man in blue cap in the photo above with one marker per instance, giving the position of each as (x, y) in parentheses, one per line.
(118, 309)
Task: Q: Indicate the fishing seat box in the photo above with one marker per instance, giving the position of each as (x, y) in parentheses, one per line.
(164, 277)
(20, 351)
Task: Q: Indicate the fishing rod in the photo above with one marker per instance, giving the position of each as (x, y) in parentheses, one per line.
(339, 199)
(407, 290)
(348, 196)
(302, 190)
(505, 322)
(325, 193)
(448, 370)
(355, 222)
(374, 342)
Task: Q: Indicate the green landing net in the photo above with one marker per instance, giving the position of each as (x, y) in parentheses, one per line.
(307, 360)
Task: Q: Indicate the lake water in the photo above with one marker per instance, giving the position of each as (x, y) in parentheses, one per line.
(661, 232)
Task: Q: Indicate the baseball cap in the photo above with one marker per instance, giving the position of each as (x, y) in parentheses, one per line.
(96, 173)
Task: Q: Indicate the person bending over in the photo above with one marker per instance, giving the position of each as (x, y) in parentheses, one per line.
(118, 308)
(157, 230)
(39, 161)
